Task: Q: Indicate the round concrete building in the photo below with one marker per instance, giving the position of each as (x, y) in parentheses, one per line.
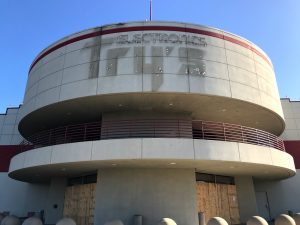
(157, 119)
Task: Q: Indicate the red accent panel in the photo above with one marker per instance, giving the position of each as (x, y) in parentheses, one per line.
(147, 28)
(293, 148)
(6, 153)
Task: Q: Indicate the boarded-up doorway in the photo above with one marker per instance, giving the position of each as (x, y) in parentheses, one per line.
(217, 199)
(80, 203)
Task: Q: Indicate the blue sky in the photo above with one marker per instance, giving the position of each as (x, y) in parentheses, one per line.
(29, 26)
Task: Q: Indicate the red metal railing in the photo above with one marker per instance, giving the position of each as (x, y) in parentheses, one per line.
(154, 128)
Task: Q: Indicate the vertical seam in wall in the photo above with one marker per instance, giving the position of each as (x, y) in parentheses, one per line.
(142, 141)
(142, 70)
(294, 121)
(238, 145)
(227, 66)
(13, 133)
(260, 92)
(1, 130)
(99, 68)
(63, 71)
(187, 60)
(271, 156)
(143, 46)
(51, 154)
(92, 145)
(194, 146)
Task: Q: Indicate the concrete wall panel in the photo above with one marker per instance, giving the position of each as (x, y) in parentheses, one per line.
(119, 84)
(19, 198)
(161, 148)
(52, 66)
(211, 150)
(242, 76)
(37, 157)
(246, 93)
(76, 73)
(171, 191)
(239, 60)
(47, 97)
(72, 152)
(50, 81)
(115, 149)
(78, 89)
(210, 86)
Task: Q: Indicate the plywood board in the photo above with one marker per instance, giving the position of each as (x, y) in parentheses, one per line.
(80, 203)
(218, 200)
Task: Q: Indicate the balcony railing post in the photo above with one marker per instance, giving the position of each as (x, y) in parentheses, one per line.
(242, 130)
(66, 130)
(84, 135)
(224, 131)
(202, 129)
(50, 136)
(178, 128)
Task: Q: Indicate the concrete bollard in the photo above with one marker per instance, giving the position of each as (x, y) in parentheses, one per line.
(201, 217)
(217, 221)
(114, 222)
(257, 220)
(66, 221)
(296, 217)
(1, 217)
(284, 220)
(167, 221)
(137, 220)
(32, 221)
(10, 220)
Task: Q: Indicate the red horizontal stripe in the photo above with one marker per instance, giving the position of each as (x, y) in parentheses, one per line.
(147, 28)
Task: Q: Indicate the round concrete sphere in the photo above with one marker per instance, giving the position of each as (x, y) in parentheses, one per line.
(284, 220)
(257, 220)
(167, 221)
(114, 222)
(10, 220)
(296, 217)
(32, 221)
(217, 221)
(66, 221)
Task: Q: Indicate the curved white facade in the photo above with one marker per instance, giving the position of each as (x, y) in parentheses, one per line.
(140, 59)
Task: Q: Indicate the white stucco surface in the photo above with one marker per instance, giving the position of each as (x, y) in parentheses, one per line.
(101, 65)
(212, 156)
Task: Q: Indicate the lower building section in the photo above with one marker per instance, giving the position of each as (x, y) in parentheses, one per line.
(153, 193)
(277, 196)
(20, 198)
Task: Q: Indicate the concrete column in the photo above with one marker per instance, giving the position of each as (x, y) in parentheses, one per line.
(151, 193)
(55, 200)
(246, 197)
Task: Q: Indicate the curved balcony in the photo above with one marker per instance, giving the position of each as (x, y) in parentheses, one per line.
(153, 128)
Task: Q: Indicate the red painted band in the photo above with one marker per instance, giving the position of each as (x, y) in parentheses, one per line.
(147, 28)
(293, 148)
(6, 153)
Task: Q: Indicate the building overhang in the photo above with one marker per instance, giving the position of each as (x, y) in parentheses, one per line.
(206, 156)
